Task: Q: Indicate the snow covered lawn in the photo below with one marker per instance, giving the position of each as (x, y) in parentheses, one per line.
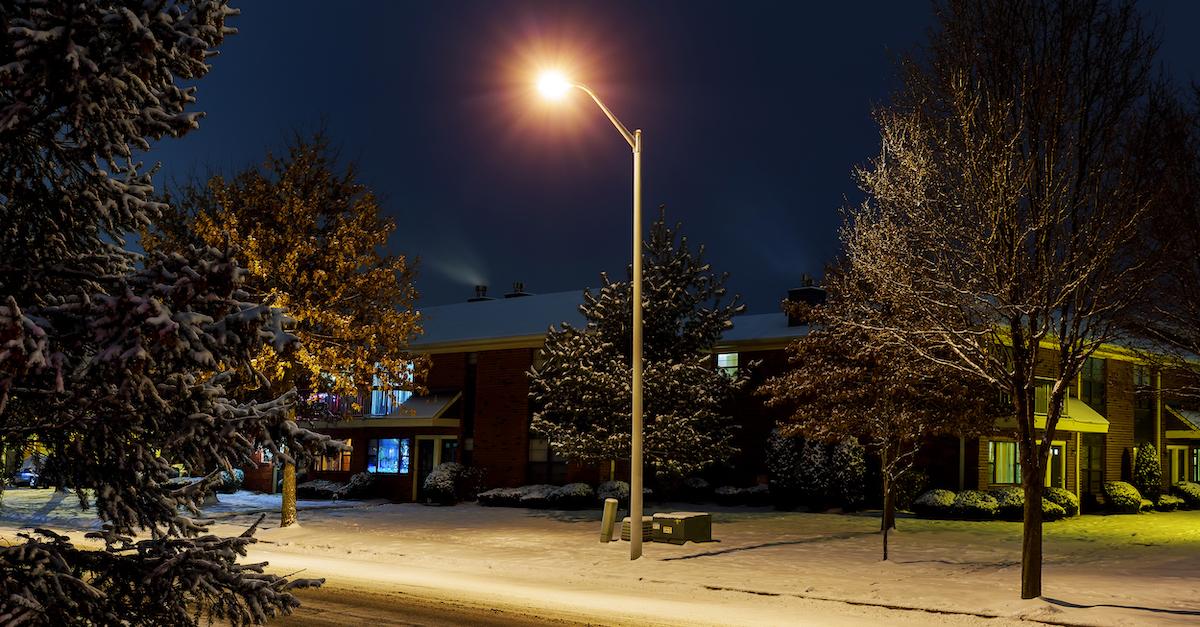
(766, 566)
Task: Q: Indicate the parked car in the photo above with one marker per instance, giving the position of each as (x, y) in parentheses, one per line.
(26, 476)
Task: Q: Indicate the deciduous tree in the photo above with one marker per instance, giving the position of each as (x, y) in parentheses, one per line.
(1027, 151)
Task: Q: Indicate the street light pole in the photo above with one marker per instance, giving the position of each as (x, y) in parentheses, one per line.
(554, 85)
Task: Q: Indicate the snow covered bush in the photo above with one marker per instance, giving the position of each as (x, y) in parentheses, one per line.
(450, 483)
(1010, 502)
(755, 495)
(613, 490)
(1063, 498)
(359, 486)
(1145, 506)
(1189, 492)
(1147, 471)
(936, 503)
(1052, 511)
(975, 505)
(783, 470)
(909, 486)
(500, 497)
(573, 496)
(849, 473)
(230, 482)
(536, 496)
(696, 490)
(815, 474)
(1168, 503)
(122, 364)
(1122, 498)
(319, 489)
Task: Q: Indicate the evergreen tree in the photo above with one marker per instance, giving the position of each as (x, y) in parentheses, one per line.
(118, 364)
(312, 237)
(783, 469)
(581, 394)
(1147, 471)
(814, 474)
(849, 471)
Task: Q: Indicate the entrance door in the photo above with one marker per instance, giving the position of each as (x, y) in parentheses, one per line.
(431, 451)
(1177, 456)
(1057, 465)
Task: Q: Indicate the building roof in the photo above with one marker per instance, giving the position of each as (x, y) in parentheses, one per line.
(524, 321)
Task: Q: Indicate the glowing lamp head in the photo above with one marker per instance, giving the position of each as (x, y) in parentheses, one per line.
(553, 85)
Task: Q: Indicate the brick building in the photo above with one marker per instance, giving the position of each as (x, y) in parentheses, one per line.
(477, 410)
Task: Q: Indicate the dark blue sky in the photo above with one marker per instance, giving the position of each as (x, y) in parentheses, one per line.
(753, 115)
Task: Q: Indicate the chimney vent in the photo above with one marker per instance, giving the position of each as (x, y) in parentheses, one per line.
(518, 290)
(480, 294)
(808, 294)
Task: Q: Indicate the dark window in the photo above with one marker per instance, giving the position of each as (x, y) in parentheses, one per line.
(1091, 463)
(545, 466)
(1143, 406)
(388, 456)
(1091, 384)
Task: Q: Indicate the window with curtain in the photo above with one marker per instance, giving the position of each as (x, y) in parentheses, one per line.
(1004, 462)
(727, 363)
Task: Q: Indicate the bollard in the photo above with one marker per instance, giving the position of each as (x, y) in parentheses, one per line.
(610, 517)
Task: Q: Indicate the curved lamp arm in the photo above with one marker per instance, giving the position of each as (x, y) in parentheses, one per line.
(612, 118)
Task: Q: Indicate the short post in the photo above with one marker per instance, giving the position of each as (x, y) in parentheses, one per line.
(610, 518)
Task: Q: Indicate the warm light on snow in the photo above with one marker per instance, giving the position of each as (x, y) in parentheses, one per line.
(553, 85)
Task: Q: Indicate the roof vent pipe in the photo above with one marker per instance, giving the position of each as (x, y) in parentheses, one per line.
(518, 291)
(809, 294)
(480, 294)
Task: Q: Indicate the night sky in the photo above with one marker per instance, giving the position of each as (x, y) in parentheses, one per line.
(753, 114)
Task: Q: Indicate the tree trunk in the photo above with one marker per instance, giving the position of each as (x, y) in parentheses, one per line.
(1031, 543)
(287, 513)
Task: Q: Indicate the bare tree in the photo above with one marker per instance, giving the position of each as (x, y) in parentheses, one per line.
(1020, 165)
(847, 380)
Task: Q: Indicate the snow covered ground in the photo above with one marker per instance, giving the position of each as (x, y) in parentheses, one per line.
(767, 567)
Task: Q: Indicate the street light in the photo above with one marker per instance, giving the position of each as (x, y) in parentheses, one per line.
(554, 85)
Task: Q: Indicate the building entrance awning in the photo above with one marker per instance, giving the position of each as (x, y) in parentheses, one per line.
(1191, 422)
(1078, 417)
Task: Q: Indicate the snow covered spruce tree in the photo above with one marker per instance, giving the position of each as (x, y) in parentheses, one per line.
(1027, 154)
(312, 237)
(117, 365)
(581, 394)
(845, 380)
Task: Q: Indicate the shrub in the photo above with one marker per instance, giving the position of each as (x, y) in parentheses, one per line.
(440, 484)
(1147, 471)
(573, 496)
(1064, 499)
(230, 482)
(935, 503)
(500, 497)
(1168, 503)
(849, 473)
(1010, 503)
(613, 490)
(318, 489)
(536, 496)
(696, 490)
(728, 495)
(783, 468)
(815, 474)
(1052, 511)
(1145, 506)
(1122, 498)
(908, 487)
(975, 505)
(1189, 492)
(359, 486)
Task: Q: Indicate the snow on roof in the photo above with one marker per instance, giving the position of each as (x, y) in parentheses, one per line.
(531, 316)
(428, 406)
(499, 319)
(1189, 417)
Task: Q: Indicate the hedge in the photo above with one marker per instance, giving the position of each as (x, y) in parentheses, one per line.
(1168, 503)
(1189, 492)
(1063, 498)
(936, 503)
(1122, 497)
(975, 505)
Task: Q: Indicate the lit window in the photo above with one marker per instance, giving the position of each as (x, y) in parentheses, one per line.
(728, 364)
(1003, 462)
(388, 456)
(385, 402)
(337, 462)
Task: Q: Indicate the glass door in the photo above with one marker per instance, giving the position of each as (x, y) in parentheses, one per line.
(1177, 456)
(431, 451)
(1055, 471)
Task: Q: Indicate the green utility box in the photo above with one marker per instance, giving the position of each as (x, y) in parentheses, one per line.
(646, 535)
(679, 527)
